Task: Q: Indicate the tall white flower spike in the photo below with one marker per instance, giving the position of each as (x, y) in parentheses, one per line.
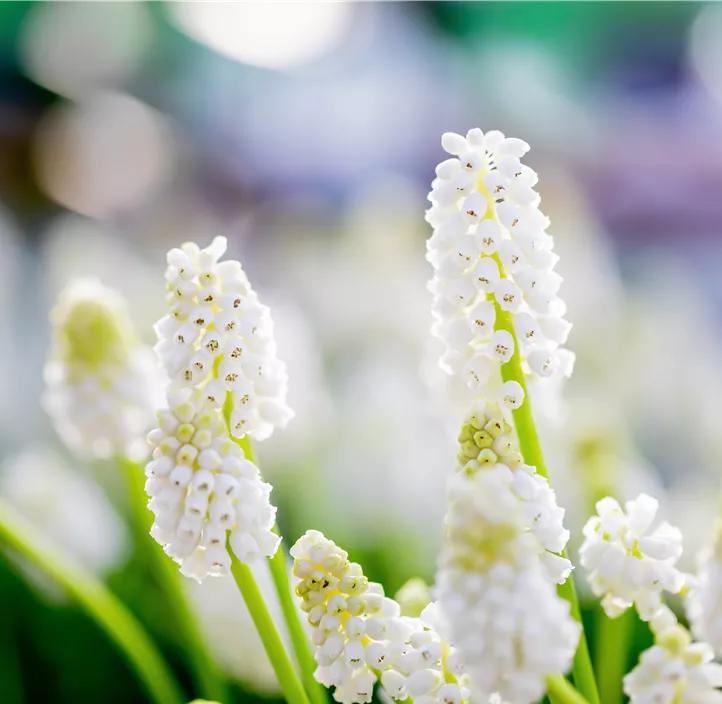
(675, 670)
(206, 496)
(102, 384)
(493, 583)
(219, 337)
(218, 348)
(493, 266)
(627, 563)
(704, 603)
(361, 638)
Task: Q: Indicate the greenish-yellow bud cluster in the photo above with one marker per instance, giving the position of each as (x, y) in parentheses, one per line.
(487, 439)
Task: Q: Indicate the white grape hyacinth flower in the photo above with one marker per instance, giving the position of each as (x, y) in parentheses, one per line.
(675, 670)
(361, 637)
(629, 564)
(218, 337)
(206, 496)
(511, 628)
(704, 603)
(102, 385)
(487, 441)
(494, 285)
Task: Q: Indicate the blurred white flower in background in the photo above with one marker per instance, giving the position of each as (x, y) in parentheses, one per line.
(75, 246)
(67, 506)
(73, 49)
(378, 427)
(229, 630)
(104, 155)
(12, 407)
(103, 386)
(277, 35)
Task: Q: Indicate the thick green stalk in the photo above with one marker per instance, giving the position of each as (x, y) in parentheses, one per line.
(301, 646)
(279, 574)
(531, 451)
(612, 648)
(208, 679)
(104, 608)
(559, 687)
(291, 685)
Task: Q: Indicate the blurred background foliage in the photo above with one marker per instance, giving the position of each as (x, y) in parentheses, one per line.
(307, 133)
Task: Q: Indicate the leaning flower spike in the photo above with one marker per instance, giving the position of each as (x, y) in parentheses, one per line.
(628, 564)
(219, 337)
(213, 513)
(204, 493)
(493, 262)
(361, 637)
(99, 377)
(493, 583)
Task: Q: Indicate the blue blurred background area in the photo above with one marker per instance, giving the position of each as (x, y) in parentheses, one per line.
(307, 133)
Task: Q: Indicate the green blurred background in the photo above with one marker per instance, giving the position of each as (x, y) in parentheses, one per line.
(307, 133)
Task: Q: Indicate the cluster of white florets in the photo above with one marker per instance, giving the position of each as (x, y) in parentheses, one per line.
(487, 441)
(204, 493)
(675, 669)
(628, 563)
(219, 337)
(361, 637)
(494, 283)
(495, 583)
(631, 565)
(101, 383)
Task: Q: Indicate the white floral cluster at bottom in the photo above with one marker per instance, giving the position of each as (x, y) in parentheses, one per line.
(502, 609)
(361, 637)
(675, 669)
(631, 565)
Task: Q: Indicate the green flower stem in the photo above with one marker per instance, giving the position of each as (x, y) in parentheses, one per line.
(559, 687)
(612, 648)
(291, 685)
(208, 679)
(532, 453)
(301, 646)
(291, 612)
(104, 608)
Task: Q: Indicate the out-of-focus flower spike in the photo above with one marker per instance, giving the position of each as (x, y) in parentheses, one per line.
(102, 385)
(501, 525)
